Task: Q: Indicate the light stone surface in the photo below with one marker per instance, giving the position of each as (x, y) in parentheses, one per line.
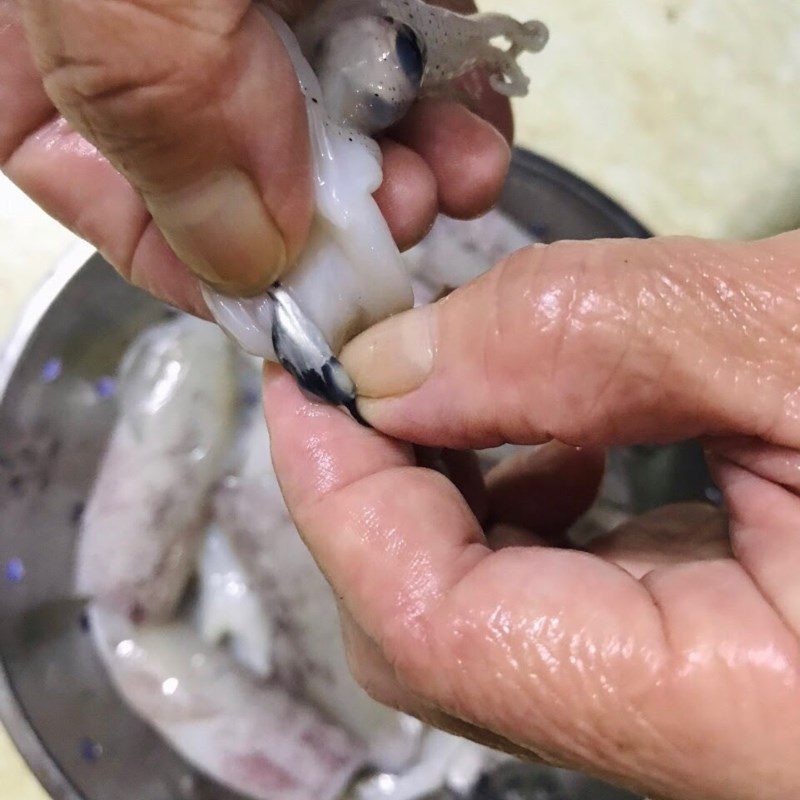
(686, 111)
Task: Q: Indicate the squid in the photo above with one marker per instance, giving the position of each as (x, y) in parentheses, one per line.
(260, 740)
(360, 65)
(213, 621)
(211, 616)
(145, 518)
(307, 652)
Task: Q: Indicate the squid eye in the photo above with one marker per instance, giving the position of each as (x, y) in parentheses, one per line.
(409, 54)
(370, 69)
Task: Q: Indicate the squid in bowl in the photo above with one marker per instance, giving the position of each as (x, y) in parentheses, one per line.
(360, 64)
(210, 615)
(212, 619)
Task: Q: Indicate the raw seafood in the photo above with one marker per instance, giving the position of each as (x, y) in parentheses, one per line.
(261, 740)
(445, 761)
(264, 725)
(248, 680)
(308, 653)
(228, 609)
(146, 515)
(351, 274)
(455, 252)
(146, 531)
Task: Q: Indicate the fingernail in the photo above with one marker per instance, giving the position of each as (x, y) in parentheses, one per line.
(395, 356)
(220, 228)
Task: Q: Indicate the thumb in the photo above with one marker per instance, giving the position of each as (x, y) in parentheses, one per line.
(197, 104)
(605, 342)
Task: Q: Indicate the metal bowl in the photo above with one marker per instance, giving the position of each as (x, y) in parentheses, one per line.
(77, 736)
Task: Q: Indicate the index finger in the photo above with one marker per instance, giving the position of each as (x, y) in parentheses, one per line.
(595, 343)
(520, 642)
(560, 652)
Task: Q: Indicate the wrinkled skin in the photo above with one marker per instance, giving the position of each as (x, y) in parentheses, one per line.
(101, 109)
(361, 65)
(666, 658)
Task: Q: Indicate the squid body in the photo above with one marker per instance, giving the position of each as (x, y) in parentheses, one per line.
(360, 65)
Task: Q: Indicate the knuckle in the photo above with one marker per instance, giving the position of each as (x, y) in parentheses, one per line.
(748, 306)
(596, 313)
(556, 310)
(125, 73)
(108, 104)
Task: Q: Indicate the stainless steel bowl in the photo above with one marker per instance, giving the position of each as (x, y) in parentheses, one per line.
(55, 699)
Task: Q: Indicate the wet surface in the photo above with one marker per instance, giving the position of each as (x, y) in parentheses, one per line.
(53, 430)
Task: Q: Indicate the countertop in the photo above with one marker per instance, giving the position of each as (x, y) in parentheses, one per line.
(686, 111)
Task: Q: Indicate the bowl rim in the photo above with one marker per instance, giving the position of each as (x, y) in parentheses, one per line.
(581, 188)
(40, 762)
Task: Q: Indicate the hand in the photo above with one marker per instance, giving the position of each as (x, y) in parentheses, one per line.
(172, 135)
(666, 657)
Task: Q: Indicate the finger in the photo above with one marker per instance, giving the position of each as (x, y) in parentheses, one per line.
(376, 676)
(545, 490)
(595, 343)
(556, 650)
(676, 534)
(407, 196)
(479, 96)
(77, 185)
(183, 98)
(408, 561)
(721, 630)
(370, 669)
(22, 97)
(761, 484)
(358, 466)
(468, 156)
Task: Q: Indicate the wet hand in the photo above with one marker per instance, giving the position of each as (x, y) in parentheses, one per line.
(667, 656)
(172, 135)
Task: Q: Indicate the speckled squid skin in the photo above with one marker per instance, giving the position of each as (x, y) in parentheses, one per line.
(145, 517)
(453, 43)
(350, 275)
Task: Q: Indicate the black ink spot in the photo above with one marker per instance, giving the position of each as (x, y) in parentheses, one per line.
(76, 515)
(90, 750)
